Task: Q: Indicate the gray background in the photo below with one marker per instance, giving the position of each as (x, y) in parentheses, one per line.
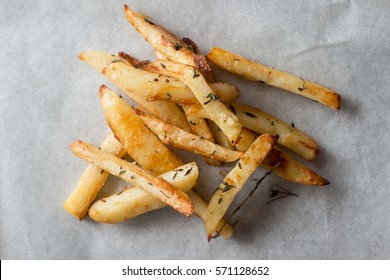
(49, 99)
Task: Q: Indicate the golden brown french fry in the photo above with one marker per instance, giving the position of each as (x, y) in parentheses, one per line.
(215, 108)
(134, 82)
(164, 41)
(225, 92)
(289, 136)
(91, 181)
(235, 180)
(182, 139)
(262, 122)
(281, 163)
(245, 140)
(200, 208)
(134, 201)
(253, 71)
(141, 144)
(135, 175)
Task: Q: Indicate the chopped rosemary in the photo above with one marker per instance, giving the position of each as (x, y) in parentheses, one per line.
(174, 176)
(239, 165)
(292, 124)
(227, 186)
(116, 60)
(156, 80)
(121, 172)
(163, 65)
(211, 97)
(220, 200)
(272, 122)
(169, 95)
(193, 123)
(188, 172)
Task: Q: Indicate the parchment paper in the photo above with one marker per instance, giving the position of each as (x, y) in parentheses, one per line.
(49, 99)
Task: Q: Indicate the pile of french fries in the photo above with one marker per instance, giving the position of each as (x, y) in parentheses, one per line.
(181, 105)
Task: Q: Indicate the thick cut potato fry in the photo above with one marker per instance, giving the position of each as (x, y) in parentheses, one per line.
(236, 179)
(135, 175)
(134, 82)
(182, 139)
(225, 92)
(215, 108)
(260, 73)
(262, 122)
(134, 201)
(164, 41)
(91, 181)
(200, 208)
(281, 163)
(141, 144)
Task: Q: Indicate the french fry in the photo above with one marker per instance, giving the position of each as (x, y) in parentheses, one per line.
(262, 122)
(215, 108)
(235, 180)
(91, 181)
(164, 41)
(141, 144)
(200, 208)
(135, 175)
(245, 140)
(253, 71)
(134, 201)
(225, 92)
(182, 139)
(281, 163)
(134, 82)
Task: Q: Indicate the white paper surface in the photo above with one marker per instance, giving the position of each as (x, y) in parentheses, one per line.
(49, 99)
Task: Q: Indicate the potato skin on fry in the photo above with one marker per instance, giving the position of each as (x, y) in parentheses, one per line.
(135, 175)
(164, 41)
(133, 201)
(182, 139)
(235, 180)
(91, 181)
(281, 163)
(140, 143)
(253, 71)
